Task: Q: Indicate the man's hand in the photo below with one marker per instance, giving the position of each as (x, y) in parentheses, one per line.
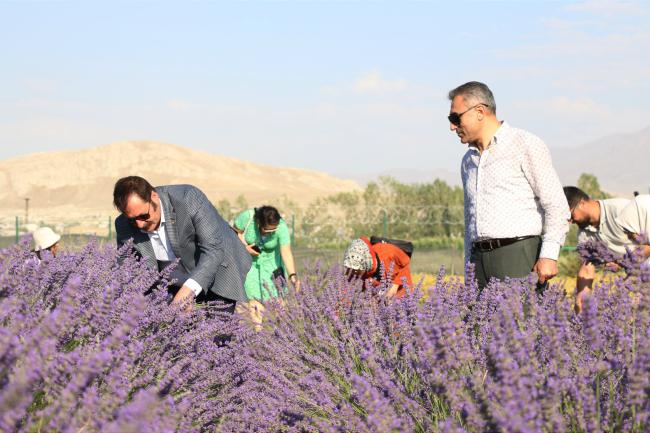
(184, 296)
(580, 298)
(545, 269)
(612, 267)
(392, 291)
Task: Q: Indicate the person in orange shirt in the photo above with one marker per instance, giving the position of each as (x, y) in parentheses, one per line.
(368, 261)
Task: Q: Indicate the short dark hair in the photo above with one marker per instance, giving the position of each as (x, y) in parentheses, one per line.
(127, 186)
(575, 195)
(267, 216)
(476, 92)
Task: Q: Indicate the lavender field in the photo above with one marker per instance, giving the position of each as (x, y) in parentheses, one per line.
(82, 349)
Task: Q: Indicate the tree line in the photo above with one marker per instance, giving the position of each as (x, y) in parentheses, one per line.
(428, 213)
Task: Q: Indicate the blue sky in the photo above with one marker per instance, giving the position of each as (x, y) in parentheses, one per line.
(332, 86)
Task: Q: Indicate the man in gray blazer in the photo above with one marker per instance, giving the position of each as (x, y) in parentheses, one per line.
(179, 222)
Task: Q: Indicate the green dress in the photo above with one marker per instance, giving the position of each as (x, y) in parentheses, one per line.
(259, 281)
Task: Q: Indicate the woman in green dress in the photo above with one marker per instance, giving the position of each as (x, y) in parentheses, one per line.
(267, 239)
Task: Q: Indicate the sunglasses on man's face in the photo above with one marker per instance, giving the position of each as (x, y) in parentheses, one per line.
(141, 217)
(454, 118)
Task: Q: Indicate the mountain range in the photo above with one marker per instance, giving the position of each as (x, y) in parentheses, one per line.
(620, 162)
(75, 184)
(78, 184)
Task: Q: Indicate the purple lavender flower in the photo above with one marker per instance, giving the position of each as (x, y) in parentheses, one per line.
(89, 342)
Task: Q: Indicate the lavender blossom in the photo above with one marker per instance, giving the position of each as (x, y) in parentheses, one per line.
(89, 342)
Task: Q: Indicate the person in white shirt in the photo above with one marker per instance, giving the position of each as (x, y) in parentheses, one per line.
(618, 223)
(515, 212)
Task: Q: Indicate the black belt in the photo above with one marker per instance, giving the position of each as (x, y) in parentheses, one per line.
(493, 244)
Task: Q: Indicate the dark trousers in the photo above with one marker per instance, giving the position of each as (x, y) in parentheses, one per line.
(179, 275)
(515, 261)
(226, 305)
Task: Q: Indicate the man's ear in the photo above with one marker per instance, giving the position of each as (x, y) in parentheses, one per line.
(154, 195)
(480, 111)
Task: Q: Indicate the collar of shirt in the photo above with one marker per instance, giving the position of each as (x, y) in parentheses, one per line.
(601, 223)
(501, 132)
(603, 215)
(160, 242)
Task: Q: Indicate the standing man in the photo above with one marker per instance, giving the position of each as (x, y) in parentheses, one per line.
(179, 222)
(515, 212)
(618, 223)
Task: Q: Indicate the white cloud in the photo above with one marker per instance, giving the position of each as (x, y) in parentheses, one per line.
(373, 85)
(559, 24)
(566, 109)
(608, 7)
(577, 109)
(180, 105)
(41, 86)
(44, 104)
(373, 82)
(586, 54)
(55, 133)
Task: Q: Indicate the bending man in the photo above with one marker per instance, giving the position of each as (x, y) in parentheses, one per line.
(618, 223)
(179, 222)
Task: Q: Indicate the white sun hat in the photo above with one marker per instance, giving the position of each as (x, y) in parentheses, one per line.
(44, 238)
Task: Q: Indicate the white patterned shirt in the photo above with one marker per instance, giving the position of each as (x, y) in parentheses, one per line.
(162, 249)
(512, 190)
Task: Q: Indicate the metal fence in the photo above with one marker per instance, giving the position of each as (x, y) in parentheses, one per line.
(99, 226)
(311, 226)
(317, 232)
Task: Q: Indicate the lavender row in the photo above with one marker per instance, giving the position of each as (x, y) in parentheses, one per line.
(89, 343)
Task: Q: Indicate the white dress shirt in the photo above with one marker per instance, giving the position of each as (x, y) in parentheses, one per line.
(163, 250)
(512, 190)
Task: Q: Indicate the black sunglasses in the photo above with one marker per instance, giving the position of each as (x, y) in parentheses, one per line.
(454, 118)
(141, 217)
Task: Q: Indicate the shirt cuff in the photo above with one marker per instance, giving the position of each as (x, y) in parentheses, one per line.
(550, 250)
(194, 286)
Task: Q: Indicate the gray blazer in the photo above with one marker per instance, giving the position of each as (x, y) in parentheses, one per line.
(206, 245)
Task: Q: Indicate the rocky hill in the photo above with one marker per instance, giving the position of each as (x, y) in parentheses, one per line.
(621, 162)
(75, 184)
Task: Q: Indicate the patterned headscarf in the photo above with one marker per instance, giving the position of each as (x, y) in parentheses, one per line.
(358, 256)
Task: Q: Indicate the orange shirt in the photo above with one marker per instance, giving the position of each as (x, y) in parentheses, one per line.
(390, 255)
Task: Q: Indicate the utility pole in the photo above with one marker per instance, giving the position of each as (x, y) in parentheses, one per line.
(26, 210)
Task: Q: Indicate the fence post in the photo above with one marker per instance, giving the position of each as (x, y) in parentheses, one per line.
(17, 228)
(385, 223)
(110, 228)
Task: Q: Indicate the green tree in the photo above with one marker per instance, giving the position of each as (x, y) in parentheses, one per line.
(416, 211)
(589, 184)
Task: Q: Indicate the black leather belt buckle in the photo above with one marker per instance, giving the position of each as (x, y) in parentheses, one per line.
(486, 245)
(492, 244)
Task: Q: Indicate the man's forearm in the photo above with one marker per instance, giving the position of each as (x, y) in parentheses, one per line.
(585, 277)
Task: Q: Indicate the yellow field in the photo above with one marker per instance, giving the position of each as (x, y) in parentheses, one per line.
(568, 283)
